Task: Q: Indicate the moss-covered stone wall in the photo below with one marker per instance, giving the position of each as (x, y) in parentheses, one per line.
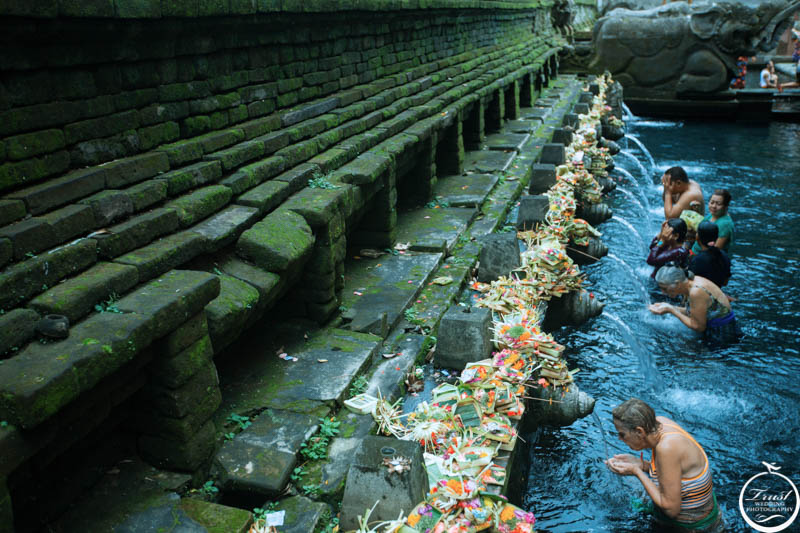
(165, 164)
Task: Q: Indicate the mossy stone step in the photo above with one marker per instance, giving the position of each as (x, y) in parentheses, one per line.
(469, 190)
(195, 175)
(39, 381)
(260, 459)
(226, 226)
(136, 232)
(32, 276)
(434, 229)
(282, 241)
(302, 515)
(196, 206)
(77, 296)
(165, 254)
(17, 327)
(488, 161)
(229, 313)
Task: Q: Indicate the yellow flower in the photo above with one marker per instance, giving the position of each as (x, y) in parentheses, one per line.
(412, 520)
(507, 514)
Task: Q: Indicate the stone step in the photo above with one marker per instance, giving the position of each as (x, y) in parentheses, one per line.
(468, 190)
(40, 380)
(488, 161)
(302, 515)
(376, 291)
(505, 141)
(434, 229)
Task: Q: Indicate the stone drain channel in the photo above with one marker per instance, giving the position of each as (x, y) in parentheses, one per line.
(290, 378)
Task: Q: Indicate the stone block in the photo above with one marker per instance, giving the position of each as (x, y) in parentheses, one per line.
(562, 136)
(30, 236)
(553, 154)
(104, 126)
(499, 256)
(17, 327)
(570, 120)
(23, 280)
(60, 191)
(182, 152)
(369, 480)
(175, 371)
(281, 241)
(585, 98)
(32, 144)
(299, 152)
(594, 89)
(226, 226)
(194, 207)
(218, 518)
(463, 337)
(186, 455)
(266, 196)
(184, 336)
(309, 111)
(532, 211)
(265, 169)
(254, 93)
(298, 177)
(158, 134)
(580, 109)
(71, 221)
(177, 403)
(109, 206)
(260, 126)
(230, 312)
(267, 284)
(135, 169)
(77, 296)
(236, 156)
(165, 254)
(192, 176)
(136, 232)
(212, 142)
(259, 460)
(301, 514)
(16, 174)
(172, 299)
(543, 177)
(6, 251)
(11, 210)
(146, 194)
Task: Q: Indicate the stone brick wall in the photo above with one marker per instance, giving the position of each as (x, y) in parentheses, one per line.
(171, 169)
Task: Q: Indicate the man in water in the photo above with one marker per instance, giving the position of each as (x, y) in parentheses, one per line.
(680, 192)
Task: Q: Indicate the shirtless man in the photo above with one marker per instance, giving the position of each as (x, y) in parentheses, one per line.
(680, 193)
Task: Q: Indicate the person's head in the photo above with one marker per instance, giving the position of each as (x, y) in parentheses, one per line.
(634, 421)
(678, 228)
(707, 233)
(672, 279)
(718, 203)
(771, 66)
(677, 178)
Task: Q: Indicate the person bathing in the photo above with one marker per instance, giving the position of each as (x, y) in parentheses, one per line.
(679, 192)
(668, 245)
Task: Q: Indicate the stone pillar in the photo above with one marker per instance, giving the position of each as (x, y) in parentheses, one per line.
(450, 150)
(378, 227)
(499, 256)
(543, 177)
(474, 127)
(512, 96)
(317, 286)
(527, 91)
(532, 211)
(463, 337)
(562, 136)
(580, 109)
(495, 110)
(177, 403)
(553, 154)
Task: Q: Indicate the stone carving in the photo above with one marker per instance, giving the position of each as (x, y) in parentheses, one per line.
(683, 49)
(561, 16)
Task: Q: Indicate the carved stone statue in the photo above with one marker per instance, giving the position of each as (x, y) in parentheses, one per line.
(682, 49)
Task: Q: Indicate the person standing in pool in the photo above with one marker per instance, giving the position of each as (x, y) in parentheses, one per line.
(668, 245)
(679, 192)
(678, 475)
(711, 263)
(718, 214)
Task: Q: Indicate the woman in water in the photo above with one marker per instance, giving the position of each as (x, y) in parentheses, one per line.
(668, 245)
(711, 263)
(718, 214)
(707, 310)
(677, 477)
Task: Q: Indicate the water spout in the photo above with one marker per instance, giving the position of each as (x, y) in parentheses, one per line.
(642, 210)
(627, 114)
(645, 200)
(638, 163)
(640, 288)
(647, 362)
(644, 149)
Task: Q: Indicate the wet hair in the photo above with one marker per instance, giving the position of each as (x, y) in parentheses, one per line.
(635, 413)
(677, 174)
(726, 196)
(707, 233)
(671, 274)
(679, 226)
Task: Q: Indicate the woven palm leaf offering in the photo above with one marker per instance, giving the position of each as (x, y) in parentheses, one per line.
(428, 425)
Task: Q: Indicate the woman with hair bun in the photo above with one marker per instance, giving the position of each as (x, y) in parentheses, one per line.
(678, 475)
(708, 310)
(711, 262)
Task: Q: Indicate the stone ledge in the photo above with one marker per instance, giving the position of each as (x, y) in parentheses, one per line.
(38, 382)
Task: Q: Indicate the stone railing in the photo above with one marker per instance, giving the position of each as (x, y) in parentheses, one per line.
(169, 175)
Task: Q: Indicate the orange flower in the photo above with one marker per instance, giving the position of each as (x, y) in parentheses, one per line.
(412, 520)
(507, 514)
(454, 485)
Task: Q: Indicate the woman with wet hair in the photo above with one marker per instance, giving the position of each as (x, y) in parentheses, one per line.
(718, 214)
(707, 309)
(711, 262)
(668, 245)
(677, 477)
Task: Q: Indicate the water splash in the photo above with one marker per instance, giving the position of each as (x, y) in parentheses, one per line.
(644, 150)
(632, 197)
(638, 163)
(637, 282)
(605, 446)
(647, 362)
(645, 200)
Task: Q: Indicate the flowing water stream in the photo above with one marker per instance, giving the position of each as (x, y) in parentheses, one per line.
(741, 402)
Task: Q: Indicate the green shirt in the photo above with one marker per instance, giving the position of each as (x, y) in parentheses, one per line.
(725, 225)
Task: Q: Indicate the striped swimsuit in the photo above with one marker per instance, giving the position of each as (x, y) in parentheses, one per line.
(696, 492)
